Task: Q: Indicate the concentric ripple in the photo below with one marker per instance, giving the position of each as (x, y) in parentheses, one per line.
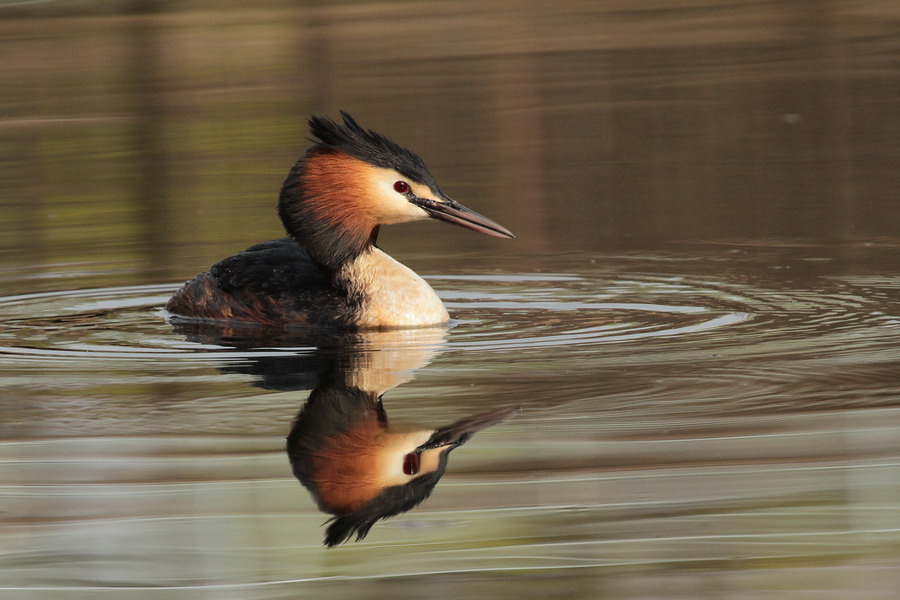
(509, 312)
(571, 310)
(521, 312)
(121, 323)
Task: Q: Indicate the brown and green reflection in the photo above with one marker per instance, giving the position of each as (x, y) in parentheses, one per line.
(358, 465)
(361, 467)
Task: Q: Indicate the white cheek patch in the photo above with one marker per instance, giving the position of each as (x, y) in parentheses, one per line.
(388, 205)
(391, 461)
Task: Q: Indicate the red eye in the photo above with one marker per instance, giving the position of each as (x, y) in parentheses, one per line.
(401, 187)
(411, 460)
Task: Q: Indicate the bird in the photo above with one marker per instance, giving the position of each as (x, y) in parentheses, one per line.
(360, 467)
(329, 271)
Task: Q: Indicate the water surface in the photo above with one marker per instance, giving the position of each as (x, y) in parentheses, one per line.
(698, 321)
(690, 411)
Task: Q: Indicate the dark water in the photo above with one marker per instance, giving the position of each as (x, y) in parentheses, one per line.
(699, 319)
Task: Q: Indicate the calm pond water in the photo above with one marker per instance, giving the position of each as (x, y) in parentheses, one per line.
(699, 323)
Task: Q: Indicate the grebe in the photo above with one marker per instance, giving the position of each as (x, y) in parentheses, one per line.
(360, 467)
(329, 272)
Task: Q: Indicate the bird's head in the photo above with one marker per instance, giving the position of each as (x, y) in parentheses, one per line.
(352, 181)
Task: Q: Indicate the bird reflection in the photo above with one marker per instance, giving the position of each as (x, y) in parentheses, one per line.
(361, 467)
(358, 465)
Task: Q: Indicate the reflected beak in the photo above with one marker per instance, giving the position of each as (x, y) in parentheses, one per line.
(454, 212)
(459, 433)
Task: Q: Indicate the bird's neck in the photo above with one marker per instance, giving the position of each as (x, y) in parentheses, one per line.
(323, 205)
(333, 247)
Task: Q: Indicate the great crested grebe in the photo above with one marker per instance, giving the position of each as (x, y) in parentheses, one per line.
(329, 271)
(362, 468)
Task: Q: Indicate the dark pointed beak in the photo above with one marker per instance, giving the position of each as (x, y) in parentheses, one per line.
(454, 212)
(459, 433)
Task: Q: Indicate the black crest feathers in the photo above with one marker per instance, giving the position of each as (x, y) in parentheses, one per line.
(370, 146)
(392, 501)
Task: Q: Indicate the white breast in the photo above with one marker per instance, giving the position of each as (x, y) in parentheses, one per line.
(394, 295)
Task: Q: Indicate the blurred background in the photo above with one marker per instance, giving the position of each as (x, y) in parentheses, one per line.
(699, 317)
(158, 133)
